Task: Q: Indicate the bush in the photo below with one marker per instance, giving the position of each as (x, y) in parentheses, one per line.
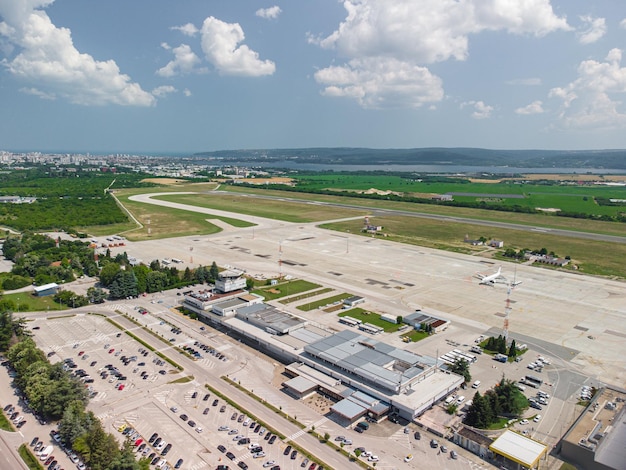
(15, 282)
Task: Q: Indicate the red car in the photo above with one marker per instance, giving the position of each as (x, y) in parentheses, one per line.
(111, 350)
(81, 353)
(121, 387)
(138, 442)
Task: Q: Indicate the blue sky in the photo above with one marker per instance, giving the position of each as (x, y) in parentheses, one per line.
(194, 75)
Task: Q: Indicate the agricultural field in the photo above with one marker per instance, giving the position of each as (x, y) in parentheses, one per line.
(568, 197)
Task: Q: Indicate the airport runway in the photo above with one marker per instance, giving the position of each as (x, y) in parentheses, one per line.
(147, 198)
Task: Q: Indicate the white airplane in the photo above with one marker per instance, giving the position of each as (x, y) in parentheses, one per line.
(491, 279)
(497, 277)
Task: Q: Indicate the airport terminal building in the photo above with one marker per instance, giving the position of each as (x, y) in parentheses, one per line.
(363, 375)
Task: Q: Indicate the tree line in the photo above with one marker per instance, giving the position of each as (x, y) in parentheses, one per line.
(53, 394)
(40, 259)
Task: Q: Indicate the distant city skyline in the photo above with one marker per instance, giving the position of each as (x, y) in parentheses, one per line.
(161, 77)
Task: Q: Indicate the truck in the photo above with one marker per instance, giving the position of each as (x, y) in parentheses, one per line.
(500, 357)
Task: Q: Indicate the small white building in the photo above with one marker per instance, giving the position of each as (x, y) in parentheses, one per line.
(46, 289)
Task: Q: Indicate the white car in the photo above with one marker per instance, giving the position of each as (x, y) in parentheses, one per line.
(252, 445)
(269, 463)
(199, 429)
(524, 421)
(373, 458)
(460, 400)
(537, 418)
(258, 455)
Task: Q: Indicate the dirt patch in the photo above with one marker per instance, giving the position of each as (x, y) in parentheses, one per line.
(163, 181)
(318, 403)
(273, 291)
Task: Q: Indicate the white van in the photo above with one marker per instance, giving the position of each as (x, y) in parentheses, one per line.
(449, 400)
(45, 453)
(476, 384)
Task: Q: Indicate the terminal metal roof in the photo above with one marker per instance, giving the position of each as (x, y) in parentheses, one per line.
(518, 448)
(370, 359)
(349, 409)
(301, 384)
(52, 285)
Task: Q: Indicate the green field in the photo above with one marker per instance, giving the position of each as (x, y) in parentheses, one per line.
(320, 303)
(285, 288)
(306, 295)
(370, 317)
(29, 459)
(34, 303)
(288, 211)
(588, 257)
(415, 335)
(5, 425)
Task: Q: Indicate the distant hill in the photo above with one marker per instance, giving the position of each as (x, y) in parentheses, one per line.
(597, 159)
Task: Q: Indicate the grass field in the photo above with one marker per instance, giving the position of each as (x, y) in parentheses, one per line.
(268, 208)
(286, 288)
(570, 197)
(600, 258)
(533, 220)
(322, 302)
(5, 425)
(370, 317)
(28, 458)
(415, 335)
(33, 302)
(306, 295)
(165, 222)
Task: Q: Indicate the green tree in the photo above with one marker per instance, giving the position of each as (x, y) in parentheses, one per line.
(461, 367)
(156, 281)
(108, 273)
(213, 272)
(512, 349)
(125, 459)
(96, 295)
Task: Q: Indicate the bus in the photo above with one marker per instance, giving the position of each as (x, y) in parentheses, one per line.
(533, 381)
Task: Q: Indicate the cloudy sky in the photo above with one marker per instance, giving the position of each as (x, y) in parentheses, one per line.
(192, 75)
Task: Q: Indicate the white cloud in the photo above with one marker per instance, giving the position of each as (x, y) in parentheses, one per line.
(188, 29)
(536, 107)
(163, 90)
(381, 83)
(220, 45)
(525, 81)
(39, 93)
(592, 100)
(187, 92)
(417, 33)
(49, 60)
(622, 24)
(429, 31)
(481, 110)
(270, 13)
(185, 61)
(596, 28)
